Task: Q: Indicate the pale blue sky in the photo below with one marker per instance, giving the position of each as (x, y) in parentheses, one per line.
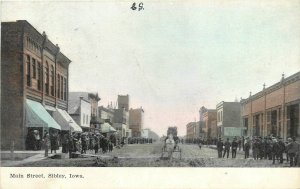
(173, 57)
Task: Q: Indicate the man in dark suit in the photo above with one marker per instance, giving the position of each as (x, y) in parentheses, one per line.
(227, 148)
(234, 146)
(220, 147)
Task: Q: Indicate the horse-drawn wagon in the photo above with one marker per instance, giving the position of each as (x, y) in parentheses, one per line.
(171, 143)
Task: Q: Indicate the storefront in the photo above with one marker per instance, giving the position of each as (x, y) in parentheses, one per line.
(38, 121)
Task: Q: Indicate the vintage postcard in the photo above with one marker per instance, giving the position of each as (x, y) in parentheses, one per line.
(150, 94)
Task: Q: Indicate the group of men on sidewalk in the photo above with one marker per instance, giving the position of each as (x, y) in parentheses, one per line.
(270, 148)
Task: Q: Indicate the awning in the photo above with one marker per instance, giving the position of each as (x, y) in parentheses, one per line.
(50, 108)
(65, 121)
(37, 116)
(107, 128)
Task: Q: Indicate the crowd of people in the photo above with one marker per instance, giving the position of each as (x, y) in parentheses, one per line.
(80, 143)
(139, 140)
(271, 148)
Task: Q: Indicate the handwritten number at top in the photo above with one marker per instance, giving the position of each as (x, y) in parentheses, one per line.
(139, 8)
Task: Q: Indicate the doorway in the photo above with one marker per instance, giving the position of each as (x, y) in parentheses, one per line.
(293, 121)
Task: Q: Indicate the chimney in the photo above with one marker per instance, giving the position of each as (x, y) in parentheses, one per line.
(282, 77)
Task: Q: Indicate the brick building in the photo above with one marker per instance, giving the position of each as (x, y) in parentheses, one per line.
(136, 121)
(274, 110)
(209, 119)
(193, 130)
(121, 122)
(229, 119)
(123, 102)
(34, 82)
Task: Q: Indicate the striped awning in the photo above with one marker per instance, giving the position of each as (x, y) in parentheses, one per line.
(66, 121)
(107, 128)
(37, 116)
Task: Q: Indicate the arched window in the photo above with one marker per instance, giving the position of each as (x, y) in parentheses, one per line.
(52, 80)
(47, 78)
(33, 68)
(39, 76)
(58, 86)
(28, 73)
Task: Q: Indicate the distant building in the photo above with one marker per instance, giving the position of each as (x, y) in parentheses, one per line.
(274, 110)
(34, 83)
(121, 121)
(193, 130)
(209, 118)
(136, 121)
(145, 133)
(229, 119)
(123, 102)
(106, 114)
(93, 99)
(80, 111)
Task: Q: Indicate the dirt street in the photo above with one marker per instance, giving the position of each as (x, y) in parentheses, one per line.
(149, 155)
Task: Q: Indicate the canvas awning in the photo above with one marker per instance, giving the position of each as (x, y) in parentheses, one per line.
(65, 121)
(37, 116)
(107, 128)
(50, 108)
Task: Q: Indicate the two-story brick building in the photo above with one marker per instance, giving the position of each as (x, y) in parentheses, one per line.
(208, 117)
(274, 110)
(136, 121)
(34, 83)
(193, 130)
(229, 119)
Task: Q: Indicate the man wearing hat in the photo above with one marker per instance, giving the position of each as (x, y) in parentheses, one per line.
(220, 147)
(281, 149)
(292, 149)
(275, 149)
(247, 147)
(255, 148)
(234, 145)
(227, 148)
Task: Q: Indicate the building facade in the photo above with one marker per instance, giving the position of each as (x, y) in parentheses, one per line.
(145, 133)
(193, 130)
(123, 102)
(229, 119)
(274, 110)
(93, 98)
(106, 114)
(210, 123)
(136, 121)
(121, 121)
(34, 74)
(80, 111)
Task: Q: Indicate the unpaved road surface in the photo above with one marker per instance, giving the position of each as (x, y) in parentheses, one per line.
(149, 155)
